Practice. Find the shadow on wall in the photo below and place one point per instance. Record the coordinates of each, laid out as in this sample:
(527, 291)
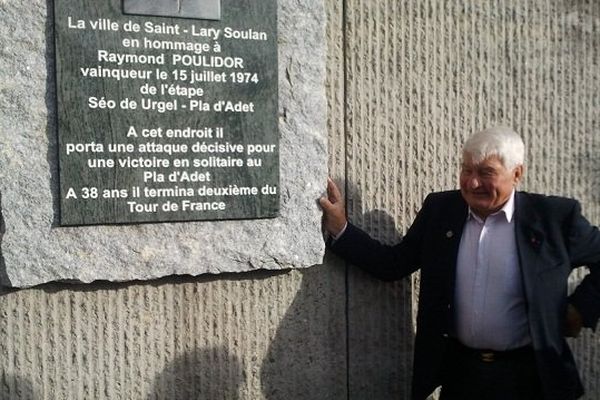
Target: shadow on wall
(4, 280)
(307, 357)
(316, 351)
(204, 374)
(16, 387)
(381, 331)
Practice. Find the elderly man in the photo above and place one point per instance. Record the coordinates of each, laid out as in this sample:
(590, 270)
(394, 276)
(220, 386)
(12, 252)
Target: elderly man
(493, 305)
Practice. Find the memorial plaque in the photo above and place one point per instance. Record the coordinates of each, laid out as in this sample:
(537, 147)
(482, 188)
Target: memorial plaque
(164, 116)
(205, 9)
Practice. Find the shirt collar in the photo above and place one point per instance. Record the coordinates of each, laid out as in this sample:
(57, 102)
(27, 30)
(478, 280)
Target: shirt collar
(508, 210)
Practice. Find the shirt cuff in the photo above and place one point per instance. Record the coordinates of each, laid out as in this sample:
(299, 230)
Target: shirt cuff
(340, 233)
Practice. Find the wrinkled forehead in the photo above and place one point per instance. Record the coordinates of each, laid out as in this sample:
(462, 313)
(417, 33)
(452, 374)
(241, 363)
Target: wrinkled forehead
(475, 160)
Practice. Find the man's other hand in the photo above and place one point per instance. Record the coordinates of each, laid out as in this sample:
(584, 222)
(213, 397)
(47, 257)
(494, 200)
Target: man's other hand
(334, 214)
(573, 322)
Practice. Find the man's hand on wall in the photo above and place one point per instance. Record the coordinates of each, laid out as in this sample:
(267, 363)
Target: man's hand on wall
(334, 213)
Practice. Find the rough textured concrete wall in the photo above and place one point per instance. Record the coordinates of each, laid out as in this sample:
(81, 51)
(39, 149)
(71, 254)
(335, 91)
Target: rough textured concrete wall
(420, 77)
(254, 336)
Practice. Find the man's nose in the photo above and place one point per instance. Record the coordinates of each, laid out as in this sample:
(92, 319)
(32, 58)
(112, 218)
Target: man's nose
(474, 182)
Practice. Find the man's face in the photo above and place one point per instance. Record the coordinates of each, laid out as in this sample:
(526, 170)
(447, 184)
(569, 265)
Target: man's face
(487, 185)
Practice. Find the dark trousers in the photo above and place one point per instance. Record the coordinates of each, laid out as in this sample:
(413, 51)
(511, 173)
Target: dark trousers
(471, 374)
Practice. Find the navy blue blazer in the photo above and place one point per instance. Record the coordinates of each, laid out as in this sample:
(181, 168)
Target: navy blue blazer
(552, 239)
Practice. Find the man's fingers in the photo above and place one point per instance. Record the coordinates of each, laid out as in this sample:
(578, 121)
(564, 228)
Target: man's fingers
(333, 192)
(325, 203)
(334, 216)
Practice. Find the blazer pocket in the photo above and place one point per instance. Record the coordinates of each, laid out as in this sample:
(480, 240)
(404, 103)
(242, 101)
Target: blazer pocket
(553, 268)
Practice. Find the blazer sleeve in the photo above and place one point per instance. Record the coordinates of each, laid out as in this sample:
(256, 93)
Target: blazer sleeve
(385, 262)
(584, 249)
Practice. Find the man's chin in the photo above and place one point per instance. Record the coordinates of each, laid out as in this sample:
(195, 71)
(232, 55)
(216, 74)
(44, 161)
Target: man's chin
(480, 200)
(479, 205)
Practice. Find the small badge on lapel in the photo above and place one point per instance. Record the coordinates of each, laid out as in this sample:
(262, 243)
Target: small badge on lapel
(533, 238)
(535, 242)
(449, 234)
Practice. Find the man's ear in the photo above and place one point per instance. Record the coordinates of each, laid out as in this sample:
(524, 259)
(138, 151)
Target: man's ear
(518, 172)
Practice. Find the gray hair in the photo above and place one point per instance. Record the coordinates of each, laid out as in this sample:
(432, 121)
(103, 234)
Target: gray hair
(500, 141)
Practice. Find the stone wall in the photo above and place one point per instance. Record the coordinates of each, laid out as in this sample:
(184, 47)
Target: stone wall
(29, 178)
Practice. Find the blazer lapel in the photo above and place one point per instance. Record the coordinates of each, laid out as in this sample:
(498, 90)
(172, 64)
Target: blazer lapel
(530, 238)
(453, 229)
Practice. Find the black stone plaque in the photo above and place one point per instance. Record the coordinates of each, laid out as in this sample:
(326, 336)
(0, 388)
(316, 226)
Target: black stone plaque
(205, 9)
(165, 118)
